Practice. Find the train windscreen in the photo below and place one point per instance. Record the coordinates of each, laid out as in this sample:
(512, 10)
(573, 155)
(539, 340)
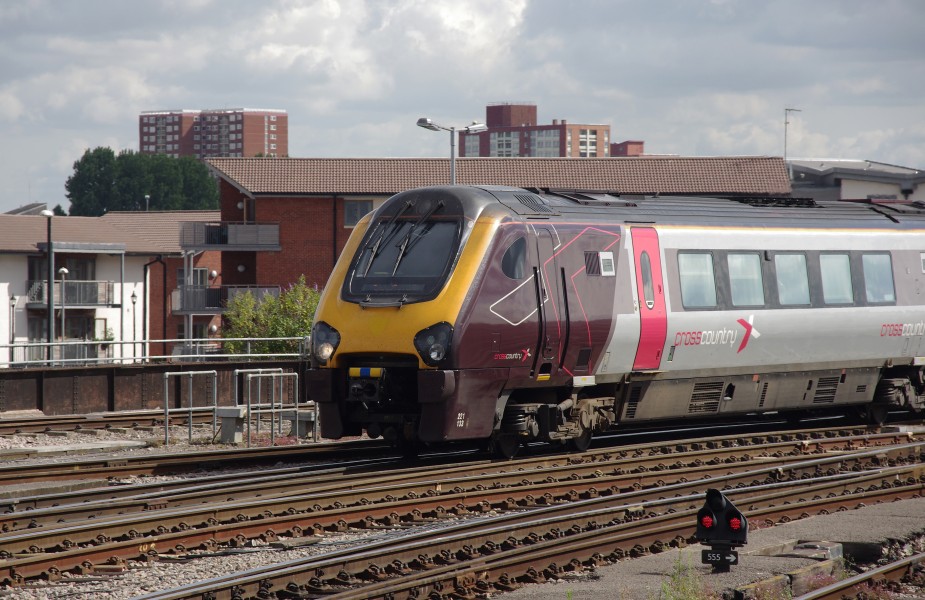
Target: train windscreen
(406, 256)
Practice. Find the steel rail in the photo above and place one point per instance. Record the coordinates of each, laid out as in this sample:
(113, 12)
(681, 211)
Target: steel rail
(415, 492)
(894, 571)
(236, 527)
(458, 559)
(172, 463)
(636, 471)
(141, 418)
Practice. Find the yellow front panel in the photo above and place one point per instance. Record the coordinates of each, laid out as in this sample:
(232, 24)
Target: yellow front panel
(392, 329)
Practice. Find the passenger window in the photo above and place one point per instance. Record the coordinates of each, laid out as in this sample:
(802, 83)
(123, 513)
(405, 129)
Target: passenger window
(792, 280)
(836, 279)
(745, 279)
(512, 263)
(878, 277)
(698, 286)
(648, 291)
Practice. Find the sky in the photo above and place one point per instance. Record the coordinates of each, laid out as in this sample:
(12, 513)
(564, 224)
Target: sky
(689, 77)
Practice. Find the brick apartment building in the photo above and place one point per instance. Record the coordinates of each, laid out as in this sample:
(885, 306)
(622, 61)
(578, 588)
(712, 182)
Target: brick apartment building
(293, 216)
(628, 148)
(513, 131)
(236, 132)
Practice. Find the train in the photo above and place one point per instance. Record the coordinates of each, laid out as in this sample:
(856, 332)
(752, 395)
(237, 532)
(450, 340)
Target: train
(505, 316)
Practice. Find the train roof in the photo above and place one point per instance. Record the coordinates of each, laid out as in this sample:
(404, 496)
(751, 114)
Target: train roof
(770, 211)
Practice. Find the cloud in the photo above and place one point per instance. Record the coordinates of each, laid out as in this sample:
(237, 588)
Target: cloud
(686, 77)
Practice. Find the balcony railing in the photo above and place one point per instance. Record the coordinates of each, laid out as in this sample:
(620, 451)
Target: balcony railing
(202, 300)
(229, 236)
(74, 293)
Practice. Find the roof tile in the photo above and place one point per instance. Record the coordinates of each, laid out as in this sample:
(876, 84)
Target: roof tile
(747, 175)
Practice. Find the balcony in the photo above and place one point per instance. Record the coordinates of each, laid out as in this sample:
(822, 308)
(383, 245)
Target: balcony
(75, 294)
(229, 236)
(202, 300)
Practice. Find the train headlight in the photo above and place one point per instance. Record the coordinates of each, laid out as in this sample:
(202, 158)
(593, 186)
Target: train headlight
(325, 340)
(433, 343)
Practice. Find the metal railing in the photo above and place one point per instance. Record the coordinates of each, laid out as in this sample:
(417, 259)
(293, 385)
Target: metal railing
(228, 236)
(76, 353)
(189, 375)
(204, 299)
(72, 293)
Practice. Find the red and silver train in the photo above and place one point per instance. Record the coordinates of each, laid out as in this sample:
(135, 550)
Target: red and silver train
(512, 315)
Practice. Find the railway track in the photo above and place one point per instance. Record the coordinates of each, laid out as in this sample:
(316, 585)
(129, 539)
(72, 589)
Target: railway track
(107, 420)
(167, 463)
(502, 553)
(148, 523)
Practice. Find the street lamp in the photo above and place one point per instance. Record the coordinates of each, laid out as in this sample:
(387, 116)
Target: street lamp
(134, 325)
(147, 198)
(50, 287)
(12, 322)
(475, 127)
(787, 112)
(63, 273)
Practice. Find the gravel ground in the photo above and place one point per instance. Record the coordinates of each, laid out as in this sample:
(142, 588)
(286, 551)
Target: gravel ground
(630, 580)
(167, 573)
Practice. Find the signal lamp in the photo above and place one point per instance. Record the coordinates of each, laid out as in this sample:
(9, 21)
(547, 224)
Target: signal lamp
(730, 529)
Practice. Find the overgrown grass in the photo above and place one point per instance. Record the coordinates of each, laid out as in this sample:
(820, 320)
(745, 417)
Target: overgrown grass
(685, 582)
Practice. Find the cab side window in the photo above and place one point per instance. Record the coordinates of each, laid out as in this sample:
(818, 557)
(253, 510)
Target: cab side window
(514, 259)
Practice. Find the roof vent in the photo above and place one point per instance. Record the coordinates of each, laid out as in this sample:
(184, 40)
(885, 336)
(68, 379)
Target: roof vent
(534, 203)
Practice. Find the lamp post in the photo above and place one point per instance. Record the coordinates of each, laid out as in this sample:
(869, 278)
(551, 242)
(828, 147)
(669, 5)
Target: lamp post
(787, 112)
(147, 198)
(475, 127)
(134, 326)
(12, 323)
(63, 272)
(50, 287)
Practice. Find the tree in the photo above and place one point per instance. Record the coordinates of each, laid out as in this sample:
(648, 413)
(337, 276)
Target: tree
(90, 188)
(289, 315)
(103, 182)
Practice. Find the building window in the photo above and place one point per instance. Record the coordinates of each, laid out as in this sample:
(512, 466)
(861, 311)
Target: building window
(505, 143)
(472, 149)
(200, 277)
(354, 210)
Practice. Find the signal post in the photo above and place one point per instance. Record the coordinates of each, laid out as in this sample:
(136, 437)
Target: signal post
(723, 527)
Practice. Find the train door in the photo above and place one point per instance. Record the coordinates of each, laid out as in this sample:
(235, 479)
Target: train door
(550, 304)
(653, 316)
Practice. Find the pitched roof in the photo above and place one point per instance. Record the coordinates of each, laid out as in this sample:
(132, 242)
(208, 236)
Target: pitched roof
(744, 175)
(136, 232)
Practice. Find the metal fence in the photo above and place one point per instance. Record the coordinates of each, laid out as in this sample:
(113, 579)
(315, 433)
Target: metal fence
(76, 353)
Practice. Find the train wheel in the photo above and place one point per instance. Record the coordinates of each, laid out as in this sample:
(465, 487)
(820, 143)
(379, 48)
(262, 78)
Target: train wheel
(582, 442)
(505, 445)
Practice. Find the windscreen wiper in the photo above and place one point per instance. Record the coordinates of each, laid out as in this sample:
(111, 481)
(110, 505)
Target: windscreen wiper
(403, 245)
(374, 252)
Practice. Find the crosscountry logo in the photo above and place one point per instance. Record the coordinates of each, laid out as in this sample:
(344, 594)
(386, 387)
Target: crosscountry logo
(750, 332)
